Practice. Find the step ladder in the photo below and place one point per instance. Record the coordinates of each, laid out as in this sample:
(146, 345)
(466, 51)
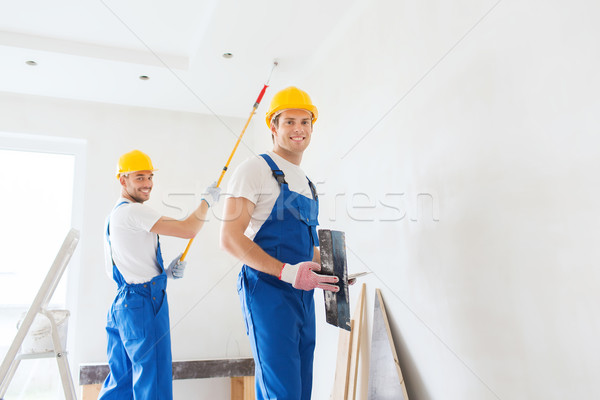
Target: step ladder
(14, 355)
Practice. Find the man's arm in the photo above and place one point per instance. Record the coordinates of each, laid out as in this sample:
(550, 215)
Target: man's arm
(186, 228)
(236, 217)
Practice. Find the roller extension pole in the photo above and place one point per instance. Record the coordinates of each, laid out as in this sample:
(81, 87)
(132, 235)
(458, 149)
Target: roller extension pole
(237, 143)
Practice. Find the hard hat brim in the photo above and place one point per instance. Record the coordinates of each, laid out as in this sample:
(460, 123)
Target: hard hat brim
(131, 172)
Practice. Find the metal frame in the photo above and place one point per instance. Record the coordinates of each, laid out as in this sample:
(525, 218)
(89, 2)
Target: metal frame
(13, 356)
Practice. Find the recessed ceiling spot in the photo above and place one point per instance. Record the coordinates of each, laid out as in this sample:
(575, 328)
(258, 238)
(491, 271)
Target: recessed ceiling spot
(144, 77)
(31, 62)
(227, 55)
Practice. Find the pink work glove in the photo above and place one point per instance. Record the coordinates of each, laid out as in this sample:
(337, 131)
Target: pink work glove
(301, 276)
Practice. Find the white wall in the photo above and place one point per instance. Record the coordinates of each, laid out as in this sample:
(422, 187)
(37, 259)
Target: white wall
(498, 299)
(492, 290)
(189, 150)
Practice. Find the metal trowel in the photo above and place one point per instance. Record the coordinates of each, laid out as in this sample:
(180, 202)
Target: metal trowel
(333, 262)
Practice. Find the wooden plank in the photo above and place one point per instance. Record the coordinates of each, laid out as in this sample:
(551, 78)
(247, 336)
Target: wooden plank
(91, 392)
(385, 376)
(242, 388)
(199, 369)
(191, 369)
(249, 388)
(357, 328)
(342, 367)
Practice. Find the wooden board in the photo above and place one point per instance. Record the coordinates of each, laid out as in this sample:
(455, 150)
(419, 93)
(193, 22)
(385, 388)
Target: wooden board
(90, 374)
(198, 369)
(333, 262)
(242, 388)
(91, 392)
(342, 365)
(357, 328)
(385, 377)
(346, 371)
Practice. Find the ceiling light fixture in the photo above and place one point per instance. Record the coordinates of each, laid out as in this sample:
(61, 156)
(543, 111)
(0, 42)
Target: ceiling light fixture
(144, 77)
(31, 62)
(227, 55)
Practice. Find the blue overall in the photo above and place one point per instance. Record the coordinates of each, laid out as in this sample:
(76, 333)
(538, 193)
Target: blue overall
(139, 341)
(280, 320)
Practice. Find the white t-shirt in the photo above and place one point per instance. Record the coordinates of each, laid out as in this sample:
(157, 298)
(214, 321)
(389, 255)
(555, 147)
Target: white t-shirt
(133, 245)
(253, 180)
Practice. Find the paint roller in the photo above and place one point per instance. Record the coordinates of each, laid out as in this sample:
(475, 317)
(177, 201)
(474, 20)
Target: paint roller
(239, 139)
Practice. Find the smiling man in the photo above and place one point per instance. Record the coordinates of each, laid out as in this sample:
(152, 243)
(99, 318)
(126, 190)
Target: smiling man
(139, 341)
(270, 222)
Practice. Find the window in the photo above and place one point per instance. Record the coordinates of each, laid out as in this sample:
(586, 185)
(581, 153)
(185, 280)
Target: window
(40, 201)
(35, 211)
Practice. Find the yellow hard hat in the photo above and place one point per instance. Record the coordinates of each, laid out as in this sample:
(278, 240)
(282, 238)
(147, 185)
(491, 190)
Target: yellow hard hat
(134, 161)
(291, 98)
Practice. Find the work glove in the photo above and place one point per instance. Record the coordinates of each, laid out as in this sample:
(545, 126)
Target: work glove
(176, 268)
(302, 276)
(212, 194)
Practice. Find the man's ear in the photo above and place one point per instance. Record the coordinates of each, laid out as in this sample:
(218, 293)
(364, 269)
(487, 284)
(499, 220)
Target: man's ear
(122, 180)
(273, 129)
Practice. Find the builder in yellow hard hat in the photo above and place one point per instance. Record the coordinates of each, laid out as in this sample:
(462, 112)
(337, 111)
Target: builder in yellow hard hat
(270, 222)
(139, 341)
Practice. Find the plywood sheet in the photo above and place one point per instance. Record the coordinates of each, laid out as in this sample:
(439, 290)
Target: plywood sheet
(385, 377)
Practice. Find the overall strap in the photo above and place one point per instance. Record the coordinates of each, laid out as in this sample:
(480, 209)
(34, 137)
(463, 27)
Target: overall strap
(116, 274)
(159, 258)
(277, 173)
(158, 251)
(313, 189)
(108, 226)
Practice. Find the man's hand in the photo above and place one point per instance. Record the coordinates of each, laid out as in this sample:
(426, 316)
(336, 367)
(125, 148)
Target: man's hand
(176, 268)
(302, 276)
(213, 193)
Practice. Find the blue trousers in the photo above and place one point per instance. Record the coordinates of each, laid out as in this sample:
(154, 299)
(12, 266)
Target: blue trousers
(139, 344)
(280, 322)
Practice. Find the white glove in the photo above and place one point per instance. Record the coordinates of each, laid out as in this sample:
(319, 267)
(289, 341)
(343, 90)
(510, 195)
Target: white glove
(176, 268)
(212, 194)
(301, 276)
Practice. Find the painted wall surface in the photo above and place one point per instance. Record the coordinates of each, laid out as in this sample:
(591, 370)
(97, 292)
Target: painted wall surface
(189, 151)
(457, 146)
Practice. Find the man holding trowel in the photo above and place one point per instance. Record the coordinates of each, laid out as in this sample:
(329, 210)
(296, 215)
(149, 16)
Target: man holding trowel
(269, 223)
(139, 340)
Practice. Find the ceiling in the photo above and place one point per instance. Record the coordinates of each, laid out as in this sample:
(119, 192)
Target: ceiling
(96, 50)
